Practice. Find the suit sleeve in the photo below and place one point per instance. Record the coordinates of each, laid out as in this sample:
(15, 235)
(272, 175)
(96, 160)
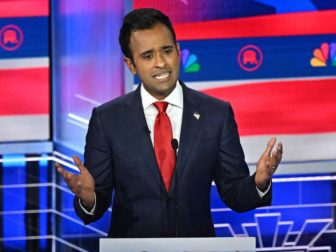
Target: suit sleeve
(235, 186)
(99, 162)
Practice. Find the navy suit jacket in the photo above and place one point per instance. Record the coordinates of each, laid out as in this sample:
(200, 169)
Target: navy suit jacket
(120, 156)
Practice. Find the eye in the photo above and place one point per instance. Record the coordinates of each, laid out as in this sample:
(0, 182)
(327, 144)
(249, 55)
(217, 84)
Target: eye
(168, 50)
(147, 56)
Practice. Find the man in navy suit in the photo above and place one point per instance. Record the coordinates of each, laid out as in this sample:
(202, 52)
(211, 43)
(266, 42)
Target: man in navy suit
(120, 158)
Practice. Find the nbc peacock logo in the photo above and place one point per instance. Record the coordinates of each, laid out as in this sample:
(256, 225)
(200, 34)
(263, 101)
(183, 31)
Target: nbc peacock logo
(189, 62)
(324, 55)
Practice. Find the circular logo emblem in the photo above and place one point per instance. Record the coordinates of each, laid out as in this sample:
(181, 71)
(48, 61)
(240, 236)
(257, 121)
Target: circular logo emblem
(11, 37)
(250, 58)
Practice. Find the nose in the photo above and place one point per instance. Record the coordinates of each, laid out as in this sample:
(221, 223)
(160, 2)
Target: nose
(160, 60)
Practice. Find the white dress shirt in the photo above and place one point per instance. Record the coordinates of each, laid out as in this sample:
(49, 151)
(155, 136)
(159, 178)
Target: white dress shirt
(174, 110)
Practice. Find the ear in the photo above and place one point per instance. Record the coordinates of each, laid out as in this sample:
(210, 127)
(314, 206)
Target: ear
(130, 65)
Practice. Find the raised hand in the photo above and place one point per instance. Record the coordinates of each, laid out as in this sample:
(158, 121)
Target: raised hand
(267, 164)
(81, 184)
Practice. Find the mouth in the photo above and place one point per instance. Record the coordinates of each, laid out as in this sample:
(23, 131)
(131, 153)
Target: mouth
(161, 76)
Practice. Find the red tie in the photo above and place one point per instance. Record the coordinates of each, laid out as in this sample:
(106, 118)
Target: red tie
(162, 143)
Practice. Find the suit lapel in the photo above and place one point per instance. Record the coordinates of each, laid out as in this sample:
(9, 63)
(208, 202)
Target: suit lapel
(136, 121)
(189, 132)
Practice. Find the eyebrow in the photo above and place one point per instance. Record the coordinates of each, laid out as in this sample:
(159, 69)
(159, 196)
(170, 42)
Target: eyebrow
(167, 47)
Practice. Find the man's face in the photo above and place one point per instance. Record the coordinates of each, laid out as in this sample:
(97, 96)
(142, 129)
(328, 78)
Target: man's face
(156, 60)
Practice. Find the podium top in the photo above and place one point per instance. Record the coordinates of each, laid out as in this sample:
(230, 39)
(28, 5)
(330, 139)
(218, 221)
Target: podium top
(222, 244)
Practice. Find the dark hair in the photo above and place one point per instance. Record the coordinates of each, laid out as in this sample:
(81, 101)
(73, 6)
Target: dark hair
(141, 19)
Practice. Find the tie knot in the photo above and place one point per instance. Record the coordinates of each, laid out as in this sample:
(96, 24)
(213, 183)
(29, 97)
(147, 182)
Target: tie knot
(161, 106)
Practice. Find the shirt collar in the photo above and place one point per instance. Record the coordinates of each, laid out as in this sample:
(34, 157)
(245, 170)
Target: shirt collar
(174, 98)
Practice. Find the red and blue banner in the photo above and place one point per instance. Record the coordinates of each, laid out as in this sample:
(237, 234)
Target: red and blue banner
(24, 70)
(274, 61)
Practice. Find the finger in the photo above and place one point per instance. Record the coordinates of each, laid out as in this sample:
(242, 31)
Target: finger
(79, 164)
(69, 176)
(58, 167)
(273, 170)
(276, 158)
(72, 181)
(269, 165)
(273, 160)
(278, 154)
(60, 170)
(269, 147)
(280, 148)
(63, 172)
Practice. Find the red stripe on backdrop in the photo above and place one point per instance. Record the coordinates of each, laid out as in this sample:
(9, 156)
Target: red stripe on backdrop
(283, 107)
(23, 8)
(24, 91)
(293, 24)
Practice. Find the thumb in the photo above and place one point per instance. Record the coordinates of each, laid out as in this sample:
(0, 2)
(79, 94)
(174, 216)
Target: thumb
(79, 164)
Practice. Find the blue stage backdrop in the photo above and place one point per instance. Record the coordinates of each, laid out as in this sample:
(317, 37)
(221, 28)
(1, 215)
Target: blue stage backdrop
(87, 64)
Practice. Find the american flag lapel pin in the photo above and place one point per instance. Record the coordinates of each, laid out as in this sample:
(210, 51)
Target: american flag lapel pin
(197, 115)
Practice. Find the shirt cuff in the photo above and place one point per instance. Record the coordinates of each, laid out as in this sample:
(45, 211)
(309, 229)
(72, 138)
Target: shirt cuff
(262, 194)
(93, 210)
